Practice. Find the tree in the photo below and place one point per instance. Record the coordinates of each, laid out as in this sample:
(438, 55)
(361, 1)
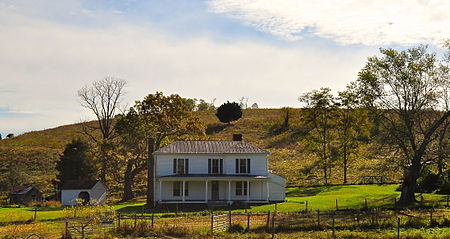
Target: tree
(352, 128)
(319, 117)
(228, 112)
(103, 98)
(409, 90)
(163, 118)
(10, 135)
(75, 163)
(203, 105)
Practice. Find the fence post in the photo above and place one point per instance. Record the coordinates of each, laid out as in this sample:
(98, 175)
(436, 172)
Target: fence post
(448, 199)
(318, 218)
(66, 231)
(273, 225)
(268, 221)
(306, 206)
(212, 223)
(35, 212)
(431, 217)
(333, 232)
(398, 228)
(276, 207)
(248, 222)
(153, 217)
(365, 203)
(135, 220)
(337, 208)
(229, 219)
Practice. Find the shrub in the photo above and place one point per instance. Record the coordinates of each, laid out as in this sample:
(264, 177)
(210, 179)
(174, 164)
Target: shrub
(174, 231)
(430, 182)
(236, 228)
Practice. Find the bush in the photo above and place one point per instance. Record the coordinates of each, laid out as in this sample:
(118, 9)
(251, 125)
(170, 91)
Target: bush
(236, 228)
(174, 231)
(44, 204)
(430, 182)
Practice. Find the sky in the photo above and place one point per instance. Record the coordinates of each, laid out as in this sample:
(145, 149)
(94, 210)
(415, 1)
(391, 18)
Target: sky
(270, 52)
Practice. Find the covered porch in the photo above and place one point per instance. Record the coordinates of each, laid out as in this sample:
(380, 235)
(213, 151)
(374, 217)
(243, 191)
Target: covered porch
(210, 189)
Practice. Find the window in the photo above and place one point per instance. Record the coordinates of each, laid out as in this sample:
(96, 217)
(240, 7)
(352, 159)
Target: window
(241, 188)
(177, 188)
(215, 166)
(242, 165)
(181, 166)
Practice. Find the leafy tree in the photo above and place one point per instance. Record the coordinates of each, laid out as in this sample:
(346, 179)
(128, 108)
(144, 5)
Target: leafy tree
(0, 136)
(103, 98)
(163, 118)
(10, 135)
(352, 128)
(410, 91)
(203, 105)
(228, 112)
(75, 163)
(320, 112)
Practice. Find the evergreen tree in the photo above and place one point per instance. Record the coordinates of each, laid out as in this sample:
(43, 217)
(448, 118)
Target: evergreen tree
(228, 112)
(75, 164)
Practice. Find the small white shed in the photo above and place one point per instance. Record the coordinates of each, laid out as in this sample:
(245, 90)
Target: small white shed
(88, 192)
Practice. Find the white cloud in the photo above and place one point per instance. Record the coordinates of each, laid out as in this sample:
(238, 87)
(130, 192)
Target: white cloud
(44, 63)
(369, 22)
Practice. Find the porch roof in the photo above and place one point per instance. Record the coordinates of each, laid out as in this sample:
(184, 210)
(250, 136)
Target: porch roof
(215, 176)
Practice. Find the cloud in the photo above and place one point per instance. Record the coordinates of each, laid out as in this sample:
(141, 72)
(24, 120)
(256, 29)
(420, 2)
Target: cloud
(44, 63)
(369, 22)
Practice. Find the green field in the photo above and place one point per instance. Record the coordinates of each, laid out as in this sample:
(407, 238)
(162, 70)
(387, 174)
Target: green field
(320, 197)
(50, 220)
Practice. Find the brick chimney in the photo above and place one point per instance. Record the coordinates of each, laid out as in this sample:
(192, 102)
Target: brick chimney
(237, 137)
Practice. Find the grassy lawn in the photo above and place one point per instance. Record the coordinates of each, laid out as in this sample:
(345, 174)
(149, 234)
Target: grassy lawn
(321, 197)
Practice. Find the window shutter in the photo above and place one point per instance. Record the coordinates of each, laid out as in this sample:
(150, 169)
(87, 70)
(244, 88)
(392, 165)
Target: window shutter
(174, 166)
(248, 165)
(237, 165)
(209, 166)
(221, 166)
(186, 166)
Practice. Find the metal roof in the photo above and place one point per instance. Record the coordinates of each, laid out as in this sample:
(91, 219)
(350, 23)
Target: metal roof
(210, 147)
(79, 184)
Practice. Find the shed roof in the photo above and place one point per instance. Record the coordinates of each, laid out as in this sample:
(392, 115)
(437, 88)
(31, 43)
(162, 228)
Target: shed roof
(21, 189)
(79, 184)
(210, 147)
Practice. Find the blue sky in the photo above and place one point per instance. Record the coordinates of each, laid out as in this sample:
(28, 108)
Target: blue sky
(216, 49)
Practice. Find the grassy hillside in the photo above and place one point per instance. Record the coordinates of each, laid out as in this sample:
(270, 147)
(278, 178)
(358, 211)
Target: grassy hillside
(258, 126)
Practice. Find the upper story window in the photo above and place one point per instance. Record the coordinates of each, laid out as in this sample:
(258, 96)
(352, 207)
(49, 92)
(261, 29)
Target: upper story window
(181, 166)
(242, 165)
(215, 166)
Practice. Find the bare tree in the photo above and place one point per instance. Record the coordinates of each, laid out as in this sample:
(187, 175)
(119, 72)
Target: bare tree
(103, 98)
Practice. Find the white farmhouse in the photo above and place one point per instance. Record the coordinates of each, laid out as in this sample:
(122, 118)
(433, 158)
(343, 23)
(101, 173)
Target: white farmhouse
(215, 172)
(90, 192)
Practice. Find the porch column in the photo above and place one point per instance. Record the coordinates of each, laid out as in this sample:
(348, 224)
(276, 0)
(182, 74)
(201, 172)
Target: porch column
(160, 190)
(229, 191)
(248, 190)
(206, 191)
(267, 191)
(184, 191)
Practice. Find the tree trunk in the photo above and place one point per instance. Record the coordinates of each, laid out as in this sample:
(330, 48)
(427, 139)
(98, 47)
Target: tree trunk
(345, 164)
(409, 184)
(128, 188)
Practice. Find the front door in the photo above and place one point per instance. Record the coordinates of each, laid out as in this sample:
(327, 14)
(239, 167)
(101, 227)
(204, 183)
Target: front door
(214, 190)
